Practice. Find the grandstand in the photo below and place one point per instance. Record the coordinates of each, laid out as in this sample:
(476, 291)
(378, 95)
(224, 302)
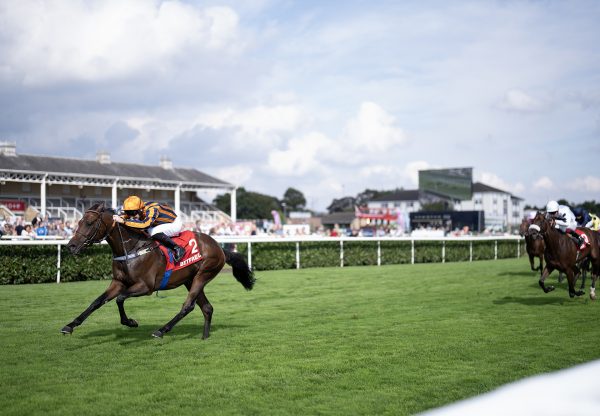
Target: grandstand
(65, 187)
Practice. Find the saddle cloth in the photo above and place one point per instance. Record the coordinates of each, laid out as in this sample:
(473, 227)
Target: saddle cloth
(586, 240)
(187, 240)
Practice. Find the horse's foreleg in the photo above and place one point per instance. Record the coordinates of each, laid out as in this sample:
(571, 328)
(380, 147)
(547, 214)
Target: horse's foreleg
(113, 290)
(139, 289)
(196, 287)
(531, 262)
(547, 270)
(593, 288)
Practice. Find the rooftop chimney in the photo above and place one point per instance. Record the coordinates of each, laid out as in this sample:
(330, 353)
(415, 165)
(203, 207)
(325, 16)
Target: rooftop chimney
(103, 158)
(165, 163)
(8, 148)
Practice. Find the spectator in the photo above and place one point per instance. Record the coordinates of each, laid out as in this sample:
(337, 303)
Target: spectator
(42, 229)
(28, 232)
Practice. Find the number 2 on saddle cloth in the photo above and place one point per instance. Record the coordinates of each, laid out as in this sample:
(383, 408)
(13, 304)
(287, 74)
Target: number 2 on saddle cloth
(188, 241)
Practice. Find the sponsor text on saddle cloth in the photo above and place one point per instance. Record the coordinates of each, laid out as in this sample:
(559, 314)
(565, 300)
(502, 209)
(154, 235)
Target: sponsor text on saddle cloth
(188, 241)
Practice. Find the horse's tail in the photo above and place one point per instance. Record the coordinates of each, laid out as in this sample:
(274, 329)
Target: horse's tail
(241, 271)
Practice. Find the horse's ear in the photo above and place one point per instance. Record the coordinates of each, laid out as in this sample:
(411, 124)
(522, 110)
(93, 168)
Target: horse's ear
(101, 206)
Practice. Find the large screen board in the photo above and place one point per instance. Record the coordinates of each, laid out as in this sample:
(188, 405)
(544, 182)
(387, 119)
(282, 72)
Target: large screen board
(456, 183)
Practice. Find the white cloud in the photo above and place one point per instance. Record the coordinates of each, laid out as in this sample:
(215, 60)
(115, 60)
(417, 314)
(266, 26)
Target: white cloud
(373, 130)
(544, 183)
(517, 100)
(301, 155)
(99, 40)
(236, 175)
(586, 184)
(494, 180)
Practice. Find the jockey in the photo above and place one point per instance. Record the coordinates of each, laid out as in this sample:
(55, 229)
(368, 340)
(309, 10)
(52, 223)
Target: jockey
(159, 220)
(595, 222)
(582, 217)
(564, 220)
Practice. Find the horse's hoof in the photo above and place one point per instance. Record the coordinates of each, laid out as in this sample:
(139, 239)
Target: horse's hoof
(549, 289)
(132, 323)
(592, 296)
(66, 330)
(580, 292)
(157, 334)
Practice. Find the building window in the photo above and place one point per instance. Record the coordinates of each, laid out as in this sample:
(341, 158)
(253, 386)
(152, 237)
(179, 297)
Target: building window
(410, 204)
(384, 205)
(26, 187)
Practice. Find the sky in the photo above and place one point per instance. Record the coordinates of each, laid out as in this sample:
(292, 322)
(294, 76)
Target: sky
(328, 97)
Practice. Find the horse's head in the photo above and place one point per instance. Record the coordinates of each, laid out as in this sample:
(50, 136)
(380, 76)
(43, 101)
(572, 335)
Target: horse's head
(524, 227)
(94, 226)
(540, 225)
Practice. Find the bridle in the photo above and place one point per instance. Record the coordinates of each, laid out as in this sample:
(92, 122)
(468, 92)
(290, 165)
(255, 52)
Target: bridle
(91, 238)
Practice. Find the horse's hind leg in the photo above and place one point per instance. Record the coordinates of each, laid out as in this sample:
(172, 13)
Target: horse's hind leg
(197, 286)
(207, 310)
(571, 278)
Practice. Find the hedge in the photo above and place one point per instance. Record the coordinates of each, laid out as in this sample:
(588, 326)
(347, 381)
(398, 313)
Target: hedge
(37, 264)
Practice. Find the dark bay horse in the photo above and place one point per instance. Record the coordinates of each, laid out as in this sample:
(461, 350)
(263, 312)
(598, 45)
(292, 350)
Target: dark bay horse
(534, 245)
(562, 254)
(143, 267)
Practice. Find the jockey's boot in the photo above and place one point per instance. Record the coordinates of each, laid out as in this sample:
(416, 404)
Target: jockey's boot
(166, 240)
(579, 240)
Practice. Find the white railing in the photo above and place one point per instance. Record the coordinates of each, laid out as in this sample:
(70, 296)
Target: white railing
(20, 241)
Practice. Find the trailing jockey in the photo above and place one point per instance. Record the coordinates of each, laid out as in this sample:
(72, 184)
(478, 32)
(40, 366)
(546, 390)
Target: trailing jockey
(159, 220)
(564, 220)
(583, 217)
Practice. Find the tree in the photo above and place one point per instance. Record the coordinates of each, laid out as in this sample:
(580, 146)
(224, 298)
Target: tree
(344, 204)
(250, 205)
(367, 195)
(294, 200)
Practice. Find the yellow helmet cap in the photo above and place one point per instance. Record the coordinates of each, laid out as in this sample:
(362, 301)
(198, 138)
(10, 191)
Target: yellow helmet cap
(133, 203)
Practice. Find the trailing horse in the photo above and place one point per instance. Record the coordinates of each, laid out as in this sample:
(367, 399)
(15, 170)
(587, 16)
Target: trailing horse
(139, 268)
(563, 254)
(534, 245)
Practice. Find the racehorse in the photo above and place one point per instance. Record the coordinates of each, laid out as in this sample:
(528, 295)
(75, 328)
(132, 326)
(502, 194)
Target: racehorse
(138, 268)
(562, 254)
(534, 244)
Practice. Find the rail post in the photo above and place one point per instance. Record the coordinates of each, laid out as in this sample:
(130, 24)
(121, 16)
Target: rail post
(379, 252)
(297, 254)
(58, 264)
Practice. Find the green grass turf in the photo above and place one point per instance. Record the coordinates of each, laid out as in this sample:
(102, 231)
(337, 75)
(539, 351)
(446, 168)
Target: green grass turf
(362, 340)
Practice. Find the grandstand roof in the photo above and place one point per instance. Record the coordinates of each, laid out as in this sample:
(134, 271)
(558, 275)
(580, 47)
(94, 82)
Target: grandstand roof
(92, 168)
